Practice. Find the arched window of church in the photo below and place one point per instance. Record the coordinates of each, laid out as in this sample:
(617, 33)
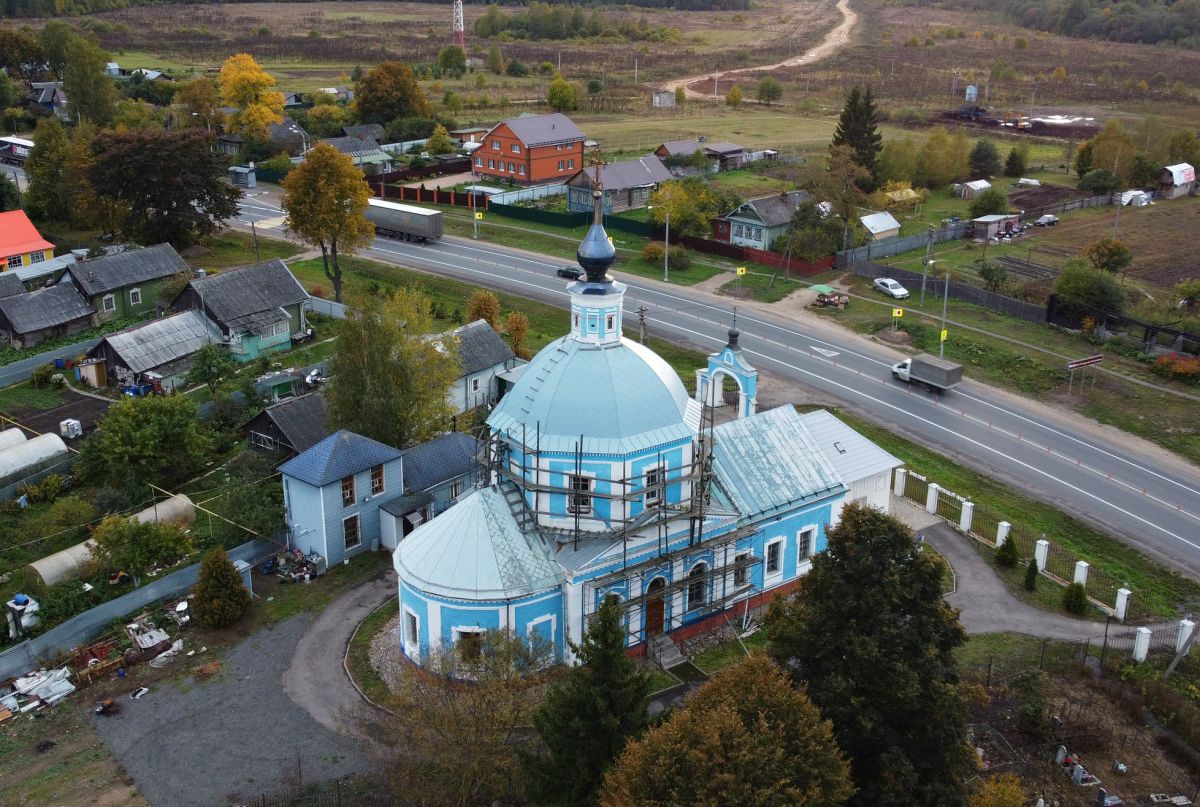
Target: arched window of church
(697, 590)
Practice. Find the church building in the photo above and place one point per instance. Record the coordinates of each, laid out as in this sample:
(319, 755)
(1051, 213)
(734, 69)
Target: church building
(606, 479)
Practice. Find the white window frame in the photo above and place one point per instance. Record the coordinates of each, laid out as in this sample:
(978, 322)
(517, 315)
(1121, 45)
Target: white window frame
(741, 577)
(412, 619)
(456, 488)
(495, 145)
(570, 164)
(382, 480)
(652, 483)
(135, 296)
(778, 570)
(37, 257)
(806, 537)
(610, 322)
(575, 494)
(261, 440)
(688, 605)
(457, 633)
(275, 329)
(108, 304)
(561, 164)
(14, 261)
(474, 385)
(516, 148)
(529, 627)
(575, 316)
(479, 162)
(357, 532)
(521, 169)
(492, 164)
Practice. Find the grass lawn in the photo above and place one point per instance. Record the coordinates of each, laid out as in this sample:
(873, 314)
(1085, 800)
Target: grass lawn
(764, 285)
(232, 248)
(358, 655)
(1160, 590)
(729, 653)
(27, 396)
(294, 598)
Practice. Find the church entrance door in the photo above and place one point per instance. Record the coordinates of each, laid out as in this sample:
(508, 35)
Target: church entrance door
(655, 607)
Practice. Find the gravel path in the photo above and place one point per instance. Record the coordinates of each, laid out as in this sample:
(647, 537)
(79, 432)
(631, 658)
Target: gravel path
(191, 742)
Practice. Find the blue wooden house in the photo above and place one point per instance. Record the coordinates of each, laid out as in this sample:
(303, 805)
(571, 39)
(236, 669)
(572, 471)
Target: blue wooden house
(333, 491)
(436, 474)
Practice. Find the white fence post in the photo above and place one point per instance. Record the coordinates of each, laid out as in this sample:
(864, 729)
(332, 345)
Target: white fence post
(1081, 572)
(1002, 530)
(1141, 645)
(901, 480)
(968, 513)
(1041, 552)
(1186, 626)
(931, 497)
(1122, 606)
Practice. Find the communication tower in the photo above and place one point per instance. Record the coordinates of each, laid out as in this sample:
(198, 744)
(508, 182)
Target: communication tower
(460, 37)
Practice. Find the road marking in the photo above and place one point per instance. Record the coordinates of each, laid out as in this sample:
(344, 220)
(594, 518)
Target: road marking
(821, 350)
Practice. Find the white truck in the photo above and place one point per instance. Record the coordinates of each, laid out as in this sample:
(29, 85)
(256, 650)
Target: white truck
(936, 374)
(405, 222)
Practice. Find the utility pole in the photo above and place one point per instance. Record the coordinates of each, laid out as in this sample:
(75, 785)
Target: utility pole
(634, 70)
(928, 261)
(945, 299)
(667, 244)
(254, 233)
(641, 313)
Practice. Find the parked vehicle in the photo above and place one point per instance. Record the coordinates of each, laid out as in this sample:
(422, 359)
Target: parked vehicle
(569, 272)
(890, 287)
(1047, 220)
(405, 222)
(934, 373)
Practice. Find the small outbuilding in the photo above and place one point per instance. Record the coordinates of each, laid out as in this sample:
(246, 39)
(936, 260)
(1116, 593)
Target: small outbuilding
(290, 426)
(627, 185)
(880, 225)
(31, 460)
(436, 474)
(159, 351)
(35, 316)
(482, 355)
(662, 99)
(1177, 180)
(987, 227)
(863, 466)
(969, 190)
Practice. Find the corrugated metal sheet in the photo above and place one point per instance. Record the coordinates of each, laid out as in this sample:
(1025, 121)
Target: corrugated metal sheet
(162, 341)
(475, 550)
(853, 456)
(770, 460)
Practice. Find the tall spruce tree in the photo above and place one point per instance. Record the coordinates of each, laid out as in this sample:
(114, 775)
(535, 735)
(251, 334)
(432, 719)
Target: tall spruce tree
(588, 716)
(858, 128)
(872, 641)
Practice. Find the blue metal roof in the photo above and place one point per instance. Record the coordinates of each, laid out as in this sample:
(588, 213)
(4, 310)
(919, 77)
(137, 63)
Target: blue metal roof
(476, 551)
(440, 459)
(339, 455)
(769, 461)
(621, 397)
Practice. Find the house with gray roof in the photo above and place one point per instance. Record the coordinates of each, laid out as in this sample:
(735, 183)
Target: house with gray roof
(10, 284)
(724, 156)
(531, 150)
(158, 351)
(35, 316)
(286, 136)
(128, 283)
(48, 96)
(290, 426)
(758, 222)
(483, 357)
(436, 474)
(256, 308)
(332, 493)
(627, 185)
(365, 131)
(364, 151)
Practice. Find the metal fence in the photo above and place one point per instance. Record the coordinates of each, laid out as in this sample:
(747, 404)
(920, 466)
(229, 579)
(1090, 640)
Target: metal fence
(22, 368)
(898, 244)
(528, 194)
(949, 506)
(916, 488)
(351, 792)
(329, 308)
(81, 629)
(1031, 312)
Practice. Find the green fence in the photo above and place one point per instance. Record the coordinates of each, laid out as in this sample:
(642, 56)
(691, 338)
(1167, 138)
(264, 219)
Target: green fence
(570, 220)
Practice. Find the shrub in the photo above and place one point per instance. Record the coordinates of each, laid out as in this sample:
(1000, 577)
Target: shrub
(1180, 368)
(40, 377)
(679, 258)
(653, 251)
(1074, 599)
(1031, 575)
(1007, 555)
(1031, 711)
(221, 599)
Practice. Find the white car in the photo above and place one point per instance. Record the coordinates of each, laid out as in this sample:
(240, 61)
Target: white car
(890, 287)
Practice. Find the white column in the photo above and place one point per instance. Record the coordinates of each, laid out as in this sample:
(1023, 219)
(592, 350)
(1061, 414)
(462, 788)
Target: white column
(931, 497)
(1186, 626)
(1141, 645)
(701, 378)
(901, 479)
(968, 513)
(1041, 552)
(1002, 530)
(1081, 572)
(1122, 606)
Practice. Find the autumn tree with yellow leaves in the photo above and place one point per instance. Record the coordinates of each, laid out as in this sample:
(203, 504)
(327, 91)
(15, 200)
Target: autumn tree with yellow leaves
(326, 199)
(248, 88)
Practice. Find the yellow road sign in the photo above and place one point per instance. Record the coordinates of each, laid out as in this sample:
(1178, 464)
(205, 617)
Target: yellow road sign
(897, 312)
(478, 216)
(741, 270)
(945, 333)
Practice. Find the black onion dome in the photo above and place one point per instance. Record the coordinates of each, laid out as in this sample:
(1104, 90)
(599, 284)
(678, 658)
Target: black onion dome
(596, 253)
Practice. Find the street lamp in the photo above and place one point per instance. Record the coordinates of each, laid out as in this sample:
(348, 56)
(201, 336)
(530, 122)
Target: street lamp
(207, 124)
(666, 240)
(945, 298)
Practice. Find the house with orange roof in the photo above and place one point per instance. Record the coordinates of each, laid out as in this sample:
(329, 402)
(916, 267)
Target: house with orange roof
(20, 242)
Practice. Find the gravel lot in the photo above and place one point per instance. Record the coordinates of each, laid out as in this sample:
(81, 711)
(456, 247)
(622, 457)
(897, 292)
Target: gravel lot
(192, 743)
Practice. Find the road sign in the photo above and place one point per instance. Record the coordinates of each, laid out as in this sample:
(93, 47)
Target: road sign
(945, 333)
(897, 312)
(741, 270)
(1090, 360)
(478, 216)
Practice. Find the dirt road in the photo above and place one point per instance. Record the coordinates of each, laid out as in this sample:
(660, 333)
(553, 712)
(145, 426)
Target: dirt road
(833, 41)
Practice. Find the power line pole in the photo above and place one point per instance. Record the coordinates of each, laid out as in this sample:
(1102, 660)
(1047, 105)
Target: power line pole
(928, 260)
(641, 313)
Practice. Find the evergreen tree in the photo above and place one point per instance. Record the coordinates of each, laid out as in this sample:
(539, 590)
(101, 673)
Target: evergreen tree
(984, 158)
(1007, 555)
(1031, 575)
(589, 715)
(221, 598)
(872, 640)
(1014, 166)
(858, 128)
(9, 197)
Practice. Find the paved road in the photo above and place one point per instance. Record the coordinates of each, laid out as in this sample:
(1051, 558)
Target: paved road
(1132, 490)
(315, 679)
